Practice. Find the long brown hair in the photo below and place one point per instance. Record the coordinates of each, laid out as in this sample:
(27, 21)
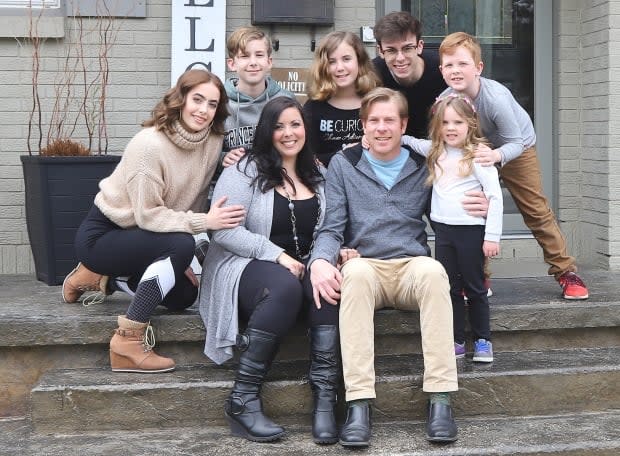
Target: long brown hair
(168, 110)
(322, 85)
(465, 109)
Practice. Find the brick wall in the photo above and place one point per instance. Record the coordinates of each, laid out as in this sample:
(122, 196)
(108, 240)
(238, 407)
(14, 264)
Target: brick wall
(586, 97)
(587, 122)
(140, 64)
(139, 75)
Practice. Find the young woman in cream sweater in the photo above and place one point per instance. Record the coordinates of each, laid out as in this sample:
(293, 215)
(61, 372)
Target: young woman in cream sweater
(138, 236)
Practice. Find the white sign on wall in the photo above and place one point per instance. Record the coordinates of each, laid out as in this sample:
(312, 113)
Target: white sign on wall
(198, 37)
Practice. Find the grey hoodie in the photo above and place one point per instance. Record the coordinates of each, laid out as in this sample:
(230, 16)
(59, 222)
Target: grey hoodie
(245, 111)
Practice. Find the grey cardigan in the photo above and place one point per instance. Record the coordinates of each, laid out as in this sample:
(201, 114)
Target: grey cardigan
(230, 252)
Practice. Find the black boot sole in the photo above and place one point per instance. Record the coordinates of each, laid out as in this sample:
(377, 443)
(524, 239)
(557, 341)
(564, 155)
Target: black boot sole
(238, 430)
(441, 439)
(329, 441)
(354, 444)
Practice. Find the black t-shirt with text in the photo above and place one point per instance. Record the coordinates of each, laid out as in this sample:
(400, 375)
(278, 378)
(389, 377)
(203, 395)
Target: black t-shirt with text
(330, 128)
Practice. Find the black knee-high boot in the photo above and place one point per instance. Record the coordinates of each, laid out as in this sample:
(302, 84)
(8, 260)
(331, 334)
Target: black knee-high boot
(324, 376)
(244, 408)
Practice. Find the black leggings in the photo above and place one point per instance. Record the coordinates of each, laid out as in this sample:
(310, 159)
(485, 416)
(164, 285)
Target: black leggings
(270, 299)
(459, 249)
(105, 248)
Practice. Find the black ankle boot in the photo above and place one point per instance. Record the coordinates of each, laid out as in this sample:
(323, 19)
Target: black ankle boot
(356, 429)
(323, 376)
(440, 426)
(244, 408)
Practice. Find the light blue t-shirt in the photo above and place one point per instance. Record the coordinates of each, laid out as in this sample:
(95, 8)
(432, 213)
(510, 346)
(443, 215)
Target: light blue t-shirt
(387, 171)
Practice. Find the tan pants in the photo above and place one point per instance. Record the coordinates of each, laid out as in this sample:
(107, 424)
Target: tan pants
(524, 182)
(404, 283)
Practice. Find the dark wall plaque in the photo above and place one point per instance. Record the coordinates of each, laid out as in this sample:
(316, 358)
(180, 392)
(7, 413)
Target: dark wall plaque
(317, 12)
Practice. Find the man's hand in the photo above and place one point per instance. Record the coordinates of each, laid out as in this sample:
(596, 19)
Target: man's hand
(475, 203)
(233, 156)
(326, 280)
(487, 156)
(345, 255)
(220, 217)
(295, 267)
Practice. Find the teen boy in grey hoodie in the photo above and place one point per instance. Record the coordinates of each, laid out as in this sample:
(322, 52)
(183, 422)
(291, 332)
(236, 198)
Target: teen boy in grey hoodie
(249, 56)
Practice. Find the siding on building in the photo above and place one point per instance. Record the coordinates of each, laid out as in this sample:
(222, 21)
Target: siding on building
(586, 97)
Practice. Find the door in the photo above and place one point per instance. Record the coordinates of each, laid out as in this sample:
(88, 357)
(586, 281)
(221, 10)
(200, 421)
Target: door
(516, 37)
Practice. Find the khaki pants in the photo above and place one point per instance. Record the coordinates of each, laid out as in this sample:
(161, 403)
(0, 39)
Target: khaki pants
(524, 182)
(404, 283)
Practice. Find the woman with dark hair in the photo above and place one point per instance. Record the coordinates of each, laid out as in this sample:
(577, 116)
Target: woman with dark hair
(138, 236)
(256, 273)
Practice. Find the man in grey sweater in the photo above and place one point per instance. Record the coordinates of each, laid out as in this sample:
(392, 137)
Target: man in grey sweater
(375, 202)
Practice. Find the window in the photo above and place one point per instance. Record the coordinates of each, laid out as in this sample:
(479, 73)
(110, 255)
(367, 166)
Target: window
(505, 29)
(29, 3)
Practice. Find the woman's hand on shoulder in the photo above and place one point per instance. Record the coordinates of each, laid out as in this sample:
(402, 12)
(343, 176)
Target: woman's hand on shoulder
(295, 267)
(233, 157)
(219, 217)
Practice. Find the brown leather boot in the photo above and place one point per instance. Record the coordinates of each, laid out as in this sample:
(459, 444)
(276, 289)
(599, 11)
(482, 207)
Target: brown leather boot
(131, 349)
(80, 280)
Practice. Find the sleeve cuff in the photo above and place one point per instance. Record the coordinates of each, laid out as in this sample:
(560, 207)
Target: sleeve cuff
(198, 223)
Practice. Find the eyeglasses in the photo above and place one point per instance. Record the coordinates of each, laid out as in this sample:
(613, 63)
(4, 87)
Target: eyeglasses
(408, 50)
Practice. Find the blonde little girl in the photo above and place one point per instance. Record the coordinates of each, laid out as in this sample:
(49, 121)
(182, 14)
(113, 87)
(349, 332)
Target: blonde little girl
(462, 241)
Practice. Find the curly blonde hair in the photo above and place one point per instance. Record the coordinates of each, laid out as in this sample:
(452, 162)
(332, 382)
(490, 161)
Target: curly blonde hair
(465, 109)
(322, 85)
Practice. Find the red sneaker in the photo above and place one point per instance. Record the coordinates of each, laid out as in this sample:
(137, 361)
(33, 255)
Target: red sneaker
(572, 286)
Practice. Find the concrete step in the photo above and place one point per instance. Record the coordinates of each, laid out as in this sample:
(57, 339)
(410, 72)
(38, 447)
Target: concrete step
(33, 314)
(583, 434)
(517, 383)
(38, 332)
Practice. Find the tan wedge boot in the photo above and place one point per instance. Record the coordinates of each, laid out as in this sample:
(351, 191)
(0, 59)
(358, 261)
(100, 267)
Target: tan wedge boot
(131, 349)
(81, 280)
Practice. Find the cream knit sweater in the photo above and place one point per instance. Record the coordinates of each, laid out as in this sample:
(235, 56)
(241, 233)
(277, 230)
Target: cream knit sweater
(162, 182)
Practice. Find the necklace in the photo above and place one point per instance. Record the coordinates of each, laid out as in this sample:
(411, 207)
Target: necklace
(291, 207)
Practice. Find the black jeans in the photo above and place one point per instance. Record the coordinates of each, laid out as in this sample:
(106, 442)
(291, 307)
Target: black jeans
(271, 298)
(459, 249)
(106, 248)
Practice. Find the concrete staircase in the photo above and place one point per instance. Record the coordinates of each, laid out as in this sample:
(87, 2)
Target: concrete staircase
(554, 387)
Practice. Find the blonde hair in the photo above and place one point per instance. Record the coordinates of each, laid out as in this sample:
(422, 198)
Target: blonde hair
(457, 39)
(465, 109)
(239, 39)
(381, 94)
(322, 85)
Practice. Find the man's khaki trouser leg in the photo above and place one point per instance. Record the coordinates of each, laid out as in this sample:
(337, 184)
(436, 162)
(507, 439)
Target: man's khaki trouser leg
(424, 283)
(524, 182)
(360, 294)
(407, 283)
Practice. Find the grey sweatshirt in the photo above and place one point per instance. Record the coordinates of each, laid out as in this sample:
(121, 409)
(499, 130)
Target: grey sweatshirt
(362, 214)
(245, 112)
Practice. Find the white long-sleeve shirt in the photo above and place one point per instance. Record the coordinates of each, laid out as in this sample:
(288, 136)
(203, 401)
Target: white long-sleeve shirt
(449, 189)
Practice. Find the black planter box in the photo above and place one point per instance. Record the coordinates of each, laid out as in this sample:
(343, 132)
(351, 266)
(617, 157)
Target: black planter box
(59, 192)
